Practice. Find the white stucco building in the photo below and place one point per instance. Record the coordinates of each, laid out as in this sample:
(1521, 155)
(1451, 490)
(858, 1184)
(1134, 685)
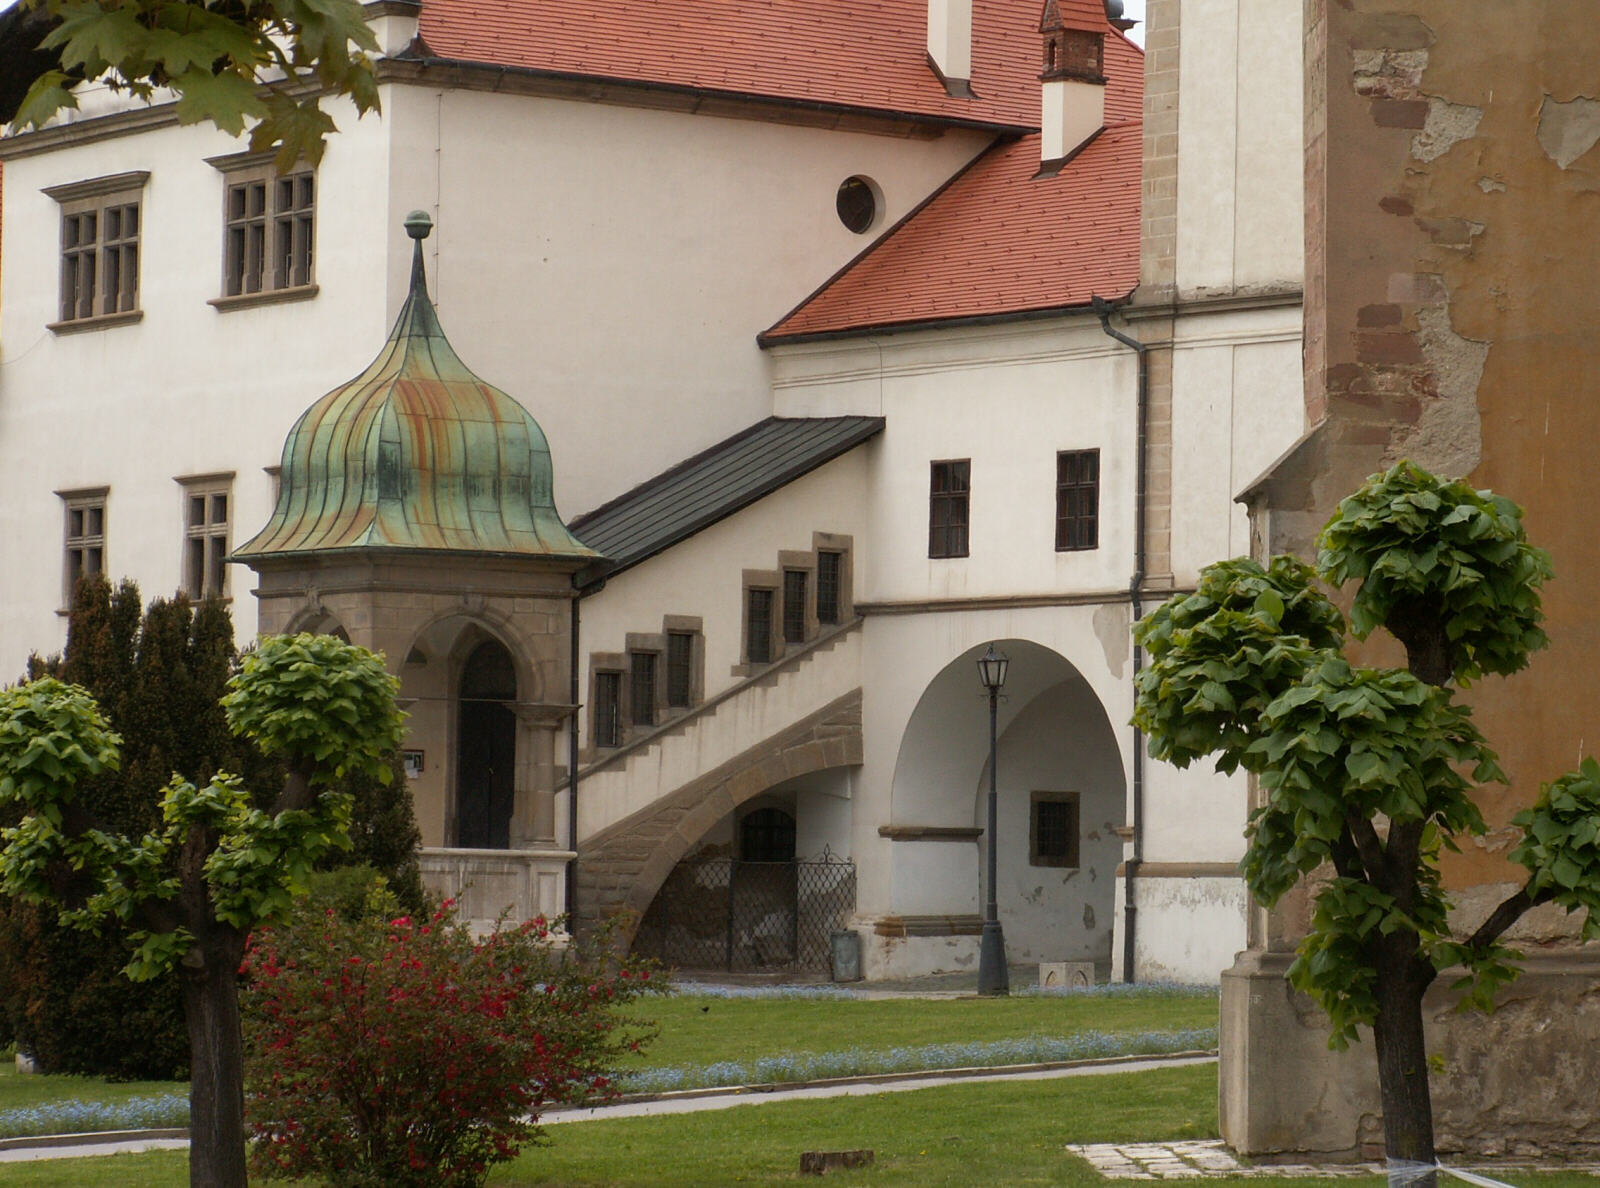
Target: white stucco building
(808, 300)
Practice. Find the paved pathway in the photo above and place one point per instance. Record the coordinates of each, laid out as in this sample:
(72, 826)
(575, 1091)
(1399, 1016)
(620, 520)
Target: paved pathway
(1203, 1157)
(1208, 1158)
(690, 1102)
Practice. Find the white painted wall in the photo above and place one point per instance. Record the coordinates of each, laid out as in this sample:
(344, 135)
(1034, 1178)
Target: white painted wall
(1236, 407)
(1240, 164)
(1009, 398)
(186, 390)
(1189, 929)
(611, 267)
(702, 575)
(1061, 742)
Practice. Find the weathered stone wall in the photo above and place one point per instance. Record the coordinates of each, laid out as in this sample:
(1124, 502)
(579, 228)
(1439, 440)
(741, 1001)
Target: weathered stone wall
(1452, 207)
(1519, 1082)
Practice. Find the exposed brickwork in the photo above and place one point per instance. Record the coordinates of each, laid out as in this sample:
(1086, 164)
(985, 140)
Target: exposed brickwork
(621, 867)
(1158, 263)
(1158, 454)
(1073, 53)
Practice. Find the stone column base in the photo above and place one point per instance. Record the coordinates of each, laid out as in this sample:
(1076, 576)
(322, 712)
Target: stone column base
(1519, 1082)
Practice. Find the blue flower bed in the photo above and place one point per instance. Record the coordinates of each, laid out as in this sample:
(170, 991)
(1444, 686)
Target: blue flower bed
(851, 1062)
(829, 991)
(156, 1111)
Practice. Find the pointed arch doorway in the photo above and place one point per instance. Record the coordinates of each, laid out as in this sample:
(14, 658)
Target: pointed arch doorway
(486, 749)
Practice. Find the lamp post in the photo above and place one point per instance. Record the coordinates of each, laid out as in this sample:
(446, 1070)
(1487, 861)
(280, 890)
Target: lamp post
(992, 976)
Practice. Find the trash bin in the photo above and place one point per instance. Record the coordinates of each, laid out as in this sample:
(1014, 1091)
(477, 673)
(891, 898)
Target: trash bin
(846, 947)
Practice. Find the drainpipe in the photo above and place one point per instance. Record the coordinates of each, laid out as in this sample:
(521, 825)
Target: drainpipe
(1104, 309)
(584, 582)
(572, 762)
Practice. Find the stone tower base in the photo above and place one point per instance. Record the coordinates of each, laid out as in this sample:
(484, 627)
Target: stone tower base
(1522, 1081)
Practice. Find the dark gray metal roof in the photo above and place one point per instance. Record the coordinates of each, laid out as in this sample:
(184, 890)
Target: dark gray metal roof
(713, 485)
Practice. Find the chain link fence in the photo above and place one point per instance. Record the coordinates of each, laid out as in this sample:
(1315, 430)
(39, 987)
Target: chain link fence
(745, 917)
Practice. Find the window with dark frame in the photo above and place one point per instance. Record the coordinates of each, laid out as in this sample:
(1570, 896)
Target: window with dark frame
(205, 544)
(1077, 500)
(607, 709)
(1053, 829)
(948, 506)
(85, 540)
(270, 231)
(758, 626)
(829, 569)
(794, 606)
(99, 261)
(642, 688)
(680, 669)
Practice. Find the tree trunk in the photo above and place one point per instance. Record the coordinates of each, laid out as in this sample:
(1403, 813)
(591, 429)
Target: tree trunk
(1403, 1059)
(216, 1062)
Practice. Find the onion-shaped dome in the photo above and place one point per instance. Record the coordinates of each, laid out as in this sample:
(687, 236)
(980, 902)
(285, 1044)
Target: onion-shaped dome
(416, 453)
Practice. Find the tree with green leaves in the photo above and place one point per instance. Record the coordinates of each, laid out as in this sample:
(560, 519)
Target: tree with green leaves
(157, 674)
(1367, 773)
(219, 865)
(266, 63)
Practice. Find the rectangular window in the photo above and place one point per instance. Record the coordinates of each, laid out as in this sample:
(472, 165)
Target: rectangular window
(1053, 829)
(947, 508)
(794, 606)
(1077, 500)
(207, 512)
(85, 553)
(758, 626)
(269, 226)
(642, 688)
(99, 246)
(829, 568)
(607, 709)
(680, 669)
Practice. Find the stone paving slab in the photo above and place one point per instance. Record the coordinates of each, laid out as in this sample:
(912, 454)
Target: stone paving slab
(1210, 1159)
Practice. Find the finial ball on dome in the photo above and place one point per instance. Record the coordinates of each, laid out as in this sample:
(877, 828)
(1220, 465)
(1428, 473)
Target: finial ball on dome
(418, 225)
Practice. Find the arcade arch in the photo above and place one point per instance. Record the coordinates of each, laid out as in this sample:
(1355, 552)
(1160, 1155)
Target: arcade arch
(1058, 761)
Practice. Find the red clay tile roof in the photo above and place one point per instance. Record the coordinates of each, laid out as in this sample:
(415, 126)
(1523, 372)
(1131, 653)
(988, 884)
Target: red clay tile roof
(996, 240)
(1088, 15)
(852, 53)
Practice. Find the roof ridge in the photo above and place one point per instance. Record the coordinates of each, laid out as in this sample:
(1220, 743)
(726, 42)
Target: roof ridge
(732, 475)
(653, 480)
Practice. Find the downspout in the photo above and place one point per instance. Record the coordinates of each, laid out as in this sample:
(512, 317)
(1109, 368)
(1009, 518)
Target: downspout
(572, 761)
(1104, 309)
(583, 582)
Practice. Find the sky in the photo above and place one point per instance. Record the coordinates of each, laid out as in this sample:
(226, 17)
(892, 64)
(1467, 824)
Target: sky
(1135, 9)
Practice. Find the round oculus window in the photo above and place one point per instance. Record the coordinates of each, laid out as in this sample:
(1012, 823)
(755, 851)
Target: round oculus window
(857, 204)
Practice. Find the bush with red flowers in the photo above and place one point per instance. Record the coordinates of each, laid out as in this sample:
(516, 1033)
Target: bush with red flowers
(398, 1051)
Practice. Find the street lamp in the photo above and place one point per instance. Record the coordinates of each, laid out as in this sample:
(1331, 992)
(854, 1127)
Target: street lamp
(992, 975)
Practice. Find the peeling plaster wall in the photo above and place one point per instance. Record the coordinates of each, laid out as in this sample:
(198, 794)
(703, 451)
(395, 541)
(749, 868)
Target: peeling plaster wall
(1452, 208)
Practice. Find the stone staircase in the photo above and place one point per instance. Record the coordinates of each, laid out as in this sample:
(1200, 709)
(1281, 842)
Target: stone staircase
(642, 807)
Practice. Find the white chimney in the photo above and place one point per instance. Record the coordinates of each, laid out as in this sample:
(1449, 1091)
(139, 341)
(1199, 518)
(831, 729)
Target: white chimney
(1071, 112)
(394, 24)
(950, 44)
(1073, 82)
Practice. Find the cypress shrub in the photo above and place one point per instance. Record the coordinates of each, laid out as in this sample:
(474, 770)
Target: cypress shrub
(158, 675)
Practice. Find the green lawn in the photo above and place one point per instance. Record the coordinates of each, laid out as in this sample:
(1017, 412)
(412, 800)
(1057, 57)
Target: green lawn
(999, 1133)
(699, 1030)
(702, 1030)
(22, 1091)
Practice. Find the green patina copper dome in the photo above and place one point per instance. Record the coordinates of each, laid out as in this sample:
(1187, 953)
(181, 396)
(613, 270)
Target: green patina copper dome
(416, 453)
